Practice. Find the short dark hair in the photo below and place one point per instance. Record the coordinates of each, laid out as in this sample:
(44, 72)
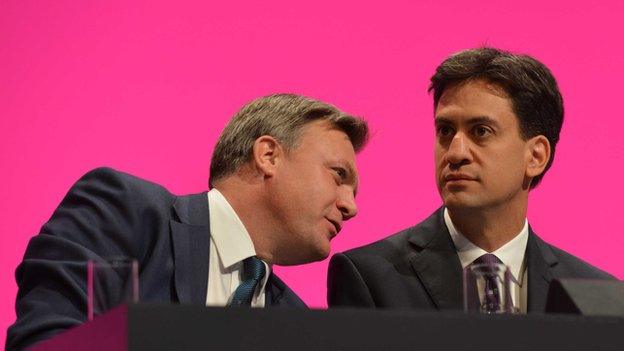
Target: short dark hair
(283, 117)
(533, 90)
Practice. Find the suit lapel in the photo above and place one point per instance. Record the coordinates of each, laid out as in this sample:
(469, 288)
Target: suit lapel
(280, 295)
(540, 261)
(436, 262)
(191, 248)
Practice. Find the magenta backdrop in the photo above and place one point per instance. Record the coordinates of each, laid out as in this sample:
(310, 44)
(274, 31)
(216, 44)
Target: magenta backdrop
(146, 87)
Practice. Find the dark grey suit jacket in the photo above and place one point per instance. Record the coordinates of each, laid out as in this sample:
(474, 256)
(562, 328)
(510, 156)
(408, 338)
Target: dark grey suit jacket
(418, 268)
(107, 214)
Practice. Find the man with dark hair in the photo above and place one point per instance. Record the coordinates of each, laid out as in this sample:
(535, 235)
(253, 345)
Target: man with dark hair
(283, 180)
(497, 120)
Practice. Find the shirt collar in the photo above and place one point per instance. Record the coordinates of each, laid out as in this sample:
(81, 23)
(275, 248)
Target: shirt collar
(227, 231)
(511, 254)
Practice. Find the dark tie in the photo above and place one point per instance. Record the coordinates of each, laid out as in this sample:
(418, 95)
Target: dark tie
(492, 296)
(253, 272)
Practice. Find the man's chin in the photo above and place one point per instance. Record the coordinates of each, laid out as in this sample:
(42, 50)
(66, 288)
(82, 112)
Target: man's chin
(313, 254)
(459, 201)
(323, 249)
(322, 252)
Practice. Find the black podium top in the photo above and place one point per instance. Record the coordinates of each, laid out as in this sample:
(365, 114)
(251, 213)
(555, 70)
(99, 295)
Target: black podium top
(175, 327)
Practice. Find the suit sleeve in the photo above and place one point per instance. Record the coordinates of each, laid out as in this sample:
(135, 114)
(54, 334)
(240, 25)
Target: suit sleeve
(345, 285)
(97, 218)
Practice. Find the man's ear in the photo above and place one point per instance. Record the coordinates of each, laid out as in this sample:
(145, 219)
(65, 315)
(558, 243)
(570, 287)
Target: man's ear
(538, 154)
(267, 152)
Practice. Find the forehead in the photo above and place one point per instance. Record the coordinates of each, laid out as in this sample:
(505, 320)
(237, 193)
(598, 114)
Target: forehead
(323, 138)
(474, 98)
(323, 134)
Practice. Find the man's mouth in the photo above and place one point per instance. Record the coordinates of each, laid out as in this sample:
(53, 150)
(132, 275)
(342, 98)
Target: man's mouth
(336, 224)
(454, 177)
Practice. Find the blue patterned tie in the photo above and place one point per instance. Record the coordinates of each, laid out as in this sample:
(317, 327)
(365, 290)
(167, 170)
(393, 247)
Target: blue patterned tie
(253, 272)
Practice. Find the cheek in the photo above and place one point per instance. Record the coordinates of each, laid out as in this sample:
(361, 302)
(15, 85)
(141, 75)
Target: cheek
(438, 153)
(509, 167)
(518, 158)
(439, 158)
(303, 197)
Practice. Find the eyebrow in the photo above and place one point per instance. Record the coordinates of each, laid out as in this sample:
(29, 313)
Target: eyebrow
(470, 121)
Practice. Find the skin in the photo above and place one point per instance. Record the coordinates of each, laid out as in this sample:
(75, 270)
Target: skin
(293, 202)
(483, 165)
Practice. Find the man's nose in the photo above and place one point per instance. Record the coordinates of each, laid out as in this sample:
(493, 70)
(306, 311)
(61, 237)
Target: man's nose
(459, 150)
(346, 204)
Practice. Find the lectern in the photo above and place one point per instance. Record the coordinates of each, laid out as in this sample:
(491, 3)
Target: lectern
(174, 327)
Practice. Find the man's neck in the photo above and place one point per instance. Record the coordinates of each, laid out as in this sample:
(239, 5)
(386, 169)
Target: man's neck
(489, 228)
(242, 194)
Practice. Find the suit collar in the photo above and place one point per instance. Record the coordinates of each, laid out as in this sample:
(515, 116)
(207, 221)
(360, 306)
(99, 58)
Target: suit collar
(435, 261)
(192, 209)
(540, 262)
(190, 235)
(424, 234)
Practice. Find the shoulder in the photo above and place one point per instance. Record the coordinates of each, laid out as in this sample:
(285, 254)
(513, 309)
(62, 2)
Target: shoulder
(570, 266)
(579, 268)
(105, 177)
(105, 208)
(382, 258)
(387, 247)
(119, 188)
(402, 242)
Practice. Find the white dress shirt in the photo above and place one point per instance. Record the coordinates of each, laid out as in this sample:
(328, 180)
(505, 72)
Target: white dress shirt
(511, 254)
(230, 244)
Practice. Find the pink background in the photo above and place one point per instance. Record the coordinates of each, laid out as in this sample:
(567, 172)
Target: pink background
(146, 87)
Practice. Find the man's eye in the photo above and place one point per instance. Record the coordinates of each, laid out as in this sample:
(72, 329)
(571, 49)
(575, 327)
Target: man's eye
(341, 173)
(444, 131)
(482, 131)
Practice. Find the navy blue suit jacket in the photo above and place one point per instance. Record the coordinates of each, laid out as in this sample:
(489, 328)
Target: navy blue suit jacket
(418, 268)
(107, 214)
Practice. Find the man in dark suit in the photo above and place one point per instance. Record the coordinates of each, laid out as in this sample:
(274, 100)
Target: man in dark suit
(497, 119)
(283, 180)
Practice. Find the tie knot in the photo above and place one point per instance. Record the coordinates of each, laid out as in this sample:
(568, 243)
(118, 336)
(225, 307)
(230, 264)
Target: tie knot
(487, 258)
(253, 268)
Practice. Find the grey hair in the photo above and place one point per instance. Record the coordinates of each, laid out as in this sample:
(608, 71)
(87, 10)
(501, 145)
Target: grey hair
(281, 116)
